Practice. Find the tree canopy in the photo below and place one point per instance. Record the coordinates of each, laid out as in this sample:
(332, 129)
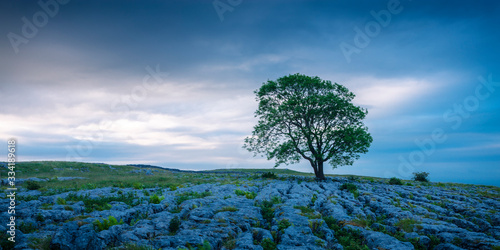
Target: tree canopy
(303, 117)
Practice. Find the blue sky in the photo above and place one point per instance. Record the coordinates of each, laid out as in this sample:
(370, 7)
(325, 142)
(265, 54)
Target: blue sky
(171, 83)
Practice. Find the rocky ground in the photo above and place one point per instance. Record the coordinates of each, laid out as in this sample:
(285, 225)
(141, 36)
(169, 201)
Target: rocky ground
(285, 213)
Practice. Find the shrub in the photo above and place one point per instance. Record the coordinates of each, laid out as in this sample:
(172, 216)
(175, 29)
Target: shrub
(61, 201)
(308, 212)
(421, 176)
(248, 195)
(395, 181)
(314, 198)
(351, 188)
(106, 223)
(155, 199)
(251, 195)
(101, 203)
(191, 195)
(206, 246)
(33, 185)
(268, 244)
(39, 217)
(27, 227)
(174, 225)
(267, 210)
(406, 224)
(40, 243)
(269, 175)
(315, 226)
(137, 185)
(283, 224)
(227, 209)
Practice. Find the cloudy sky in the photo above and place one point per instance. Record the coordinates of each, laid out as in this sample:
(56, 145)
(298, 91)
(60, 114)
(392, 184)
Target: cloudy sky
(171, 83)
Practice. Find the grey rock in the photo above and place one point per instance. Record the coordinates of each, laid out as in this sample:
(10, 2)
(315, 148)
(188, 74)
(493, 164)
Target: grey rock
(447, 246)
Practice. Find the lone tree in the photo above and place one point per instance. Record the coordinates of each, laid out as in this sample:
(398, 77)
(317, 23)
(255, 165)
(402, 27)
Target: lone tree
(306, 117)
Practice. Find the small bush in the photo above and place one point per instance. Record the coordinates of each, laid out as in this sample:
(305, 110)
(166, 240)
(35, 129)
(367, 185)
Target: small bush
(61, 201)
(248, 195)
(137, 185)
(406, 225)
(283, 224)
(39, 217)
(239, 192)
(32, 185)
(206, 246)
(421, 176)
(351, 188)
(155, 199)
(268, 244)
(267, 210)
(27, 227)
(40, 243)
(227, 209)
(269, 175)
(174, 225)
(395, 181)
(106, 223)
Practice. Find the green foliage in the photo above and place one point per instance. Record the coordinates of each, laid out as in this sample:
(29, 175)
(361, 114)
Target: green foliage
(315, 226)
(130, 246)
(268, 244)
(101, 203)
(283, 224)
(267, 210)
(395, 181)
(251, 195)
(46, 206)
(314, 198)
(229, 243)
(145, 192)
(239, 192)
(191, 195)
(206, 246)
(32, 185)
(60, 201)
(421, 176)
(298, 112)
(174, 225)
(349, 239)
(155, 199)
(276, 200)
(351, 188)
(106, 223)
(269, 175)
(39, 217)
(27, 227)
(248, 195)
(308, 212)
(406, 224)
(40, 243)
(227, 209)
(137, 185)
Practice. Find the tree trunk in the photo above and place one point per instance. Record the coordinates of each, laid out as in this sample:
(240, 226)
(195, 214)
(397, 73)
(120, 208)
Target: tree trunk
(319, 174)
(313, 165)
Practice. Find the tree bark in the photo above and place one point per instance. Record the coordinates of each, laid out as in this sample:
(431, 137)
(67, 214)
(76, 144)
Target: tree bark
(319, 174)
